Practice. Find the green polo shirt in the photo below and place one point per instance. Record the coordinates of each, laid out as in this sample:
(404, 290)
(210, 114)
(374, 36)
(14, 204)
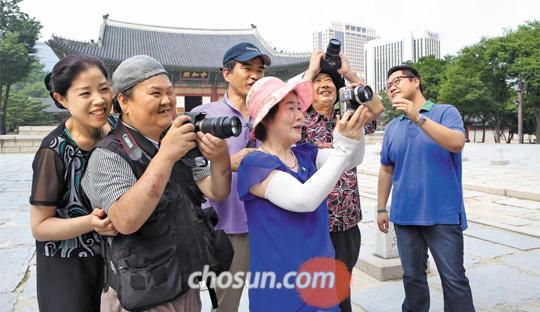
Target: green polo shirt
(425, 108)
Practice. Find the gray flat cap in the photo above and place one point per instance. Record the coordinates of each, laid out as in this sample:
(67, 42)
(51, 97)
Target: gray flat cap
(134, 70)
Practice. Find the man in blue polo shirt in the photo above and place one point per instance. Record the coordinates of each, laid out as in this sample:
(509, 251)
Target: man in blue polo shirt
(421, 160)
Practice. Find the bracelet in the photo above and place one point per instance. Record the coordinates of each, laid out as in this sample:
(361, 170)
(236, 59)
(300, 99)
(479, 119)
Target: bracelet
(382, 210)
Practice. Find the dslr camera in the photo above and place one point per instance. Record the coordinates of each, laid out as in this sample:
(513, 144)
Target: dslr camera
(352, 98)
(331, 58)
(221, 127)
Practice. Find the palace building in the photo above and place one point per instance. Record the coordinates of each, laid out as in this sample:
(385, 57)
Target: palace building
(193, 57)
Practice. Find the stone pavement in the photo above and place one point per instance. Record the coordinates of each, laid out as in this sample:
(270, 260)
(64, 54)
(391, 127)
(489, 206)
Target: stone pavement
(502, 244)
(17, 285)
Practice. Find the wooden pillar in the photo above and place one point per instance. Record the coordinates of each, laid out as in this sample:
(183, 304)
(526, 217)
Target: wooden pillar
(214, 93)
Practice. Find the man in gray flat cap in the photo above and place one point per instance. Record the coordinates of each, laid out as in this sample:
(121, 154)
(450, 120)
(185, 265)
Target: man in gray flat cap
(152, 198)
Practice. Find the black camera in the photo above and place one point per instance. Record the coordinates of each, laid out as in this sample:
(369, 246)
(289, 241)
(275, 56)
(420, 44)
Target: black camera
(221, 127)
(352, 98)
(332, 59)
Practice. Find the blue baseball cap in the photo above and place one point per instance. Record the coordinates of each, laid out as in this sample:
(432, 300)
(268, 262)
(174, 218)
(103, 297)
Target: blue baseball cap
(244, 52)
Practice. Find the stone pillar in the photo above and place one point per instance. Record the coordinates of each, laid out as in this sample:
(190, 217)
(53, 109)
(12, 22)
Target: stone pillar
(499, 159)
(386, 244)
(382, 262)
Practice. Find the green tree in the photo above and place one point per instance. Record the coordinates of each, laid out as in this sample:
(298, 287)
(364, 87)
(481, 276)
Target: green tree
(25, 106)
(389, 111)
(18, 35)
(26, 111)
(477, 83)
(433, 72)
(32, 85)
(463, 87)
(522, 48)
(500, 60)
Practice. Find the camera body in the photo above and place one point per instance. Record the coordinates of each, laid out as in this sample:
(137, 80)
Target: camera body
(352, 98)
(331, 59)
(221, 127)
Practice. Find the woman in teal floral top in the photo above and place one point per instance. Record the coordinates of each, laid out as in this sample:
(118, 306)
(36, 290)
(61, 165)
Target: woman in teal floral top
(69, 264)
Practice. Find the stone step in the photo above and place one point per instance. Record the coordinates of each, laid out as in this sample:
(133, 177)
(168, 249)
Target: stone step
(19, 143)
(503, 237)
(35, 130)
(507, 192)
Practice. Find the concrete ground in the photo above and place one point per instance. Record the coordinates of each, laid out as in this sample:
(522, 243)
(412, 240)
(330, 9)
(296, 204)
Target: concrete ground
(502, 244)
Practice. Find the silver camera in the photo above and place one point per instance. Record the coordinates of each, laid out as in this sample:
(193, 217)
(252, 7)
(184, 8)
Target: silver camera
(352, 98)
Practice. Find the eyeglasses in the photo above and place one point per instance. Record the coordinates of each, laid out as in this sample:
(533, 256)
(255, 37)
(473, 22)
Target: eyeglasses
(396, 81)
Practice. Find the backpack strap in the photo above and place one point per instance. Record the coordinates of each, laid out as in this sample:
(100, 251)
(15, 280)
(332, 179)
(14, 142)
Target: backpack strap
(213, 296)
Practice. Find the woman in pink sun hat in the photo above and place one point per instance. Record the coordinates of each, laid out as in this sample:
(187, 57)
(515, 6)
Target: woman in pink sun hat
(284, 187)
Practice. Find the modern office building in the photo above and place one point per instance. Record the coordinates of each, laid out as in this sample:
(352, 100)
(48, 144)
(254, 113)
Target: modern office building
(382, 54)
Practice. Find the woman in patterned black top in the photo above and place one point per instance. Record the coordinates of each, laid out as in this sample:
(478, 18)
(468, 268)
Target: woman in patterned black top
(69, 264)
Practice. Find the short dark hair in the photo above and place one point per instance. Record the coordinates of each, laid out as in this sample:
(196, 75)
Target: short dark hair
(66, 70)
(260, 130)
(128, 94)
(229, 65)
(407, 70)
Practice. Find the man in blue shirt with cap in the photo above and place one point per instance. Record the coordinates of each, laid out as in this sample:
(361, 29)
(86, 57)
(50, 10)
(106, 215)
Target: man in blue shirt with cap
(243, 65)
(421, 160)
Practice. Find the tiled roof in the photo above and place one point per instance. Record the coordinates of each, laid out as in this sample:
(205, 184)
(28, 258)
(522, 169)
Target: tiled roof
(175, 48)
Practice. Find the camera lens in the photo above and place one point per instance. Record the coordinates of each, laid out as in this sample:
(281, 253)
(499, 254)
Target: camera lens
(234, 125)
(332, 59)
(334, 46)
(363, 94)
(221, 127)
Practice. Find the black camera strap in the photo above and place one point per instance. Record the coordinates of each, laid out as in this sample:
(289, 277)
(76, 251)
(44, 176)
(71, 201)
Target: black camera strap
(129, 144)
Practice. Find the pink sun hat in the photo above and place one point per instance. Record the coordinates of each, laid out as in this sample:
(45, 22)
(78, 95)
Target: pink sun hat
(269, 91)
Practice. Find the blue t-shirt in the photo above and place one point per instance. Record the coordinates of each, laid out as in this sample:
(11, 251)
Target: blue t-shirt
(427, 187)
(280, 240)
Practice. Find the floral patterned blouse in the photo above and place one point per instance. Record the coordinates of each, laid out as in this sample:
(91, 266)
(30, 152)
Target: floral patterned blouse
(344, 201)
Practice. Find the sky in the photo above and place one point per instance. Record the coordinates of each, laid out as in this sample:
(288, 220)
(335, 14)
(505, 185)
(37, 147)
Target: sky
(288, 24)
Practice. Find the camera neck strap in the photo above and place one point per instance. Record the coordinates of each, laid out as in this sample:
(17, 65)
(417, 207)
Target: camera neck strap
(129, 143)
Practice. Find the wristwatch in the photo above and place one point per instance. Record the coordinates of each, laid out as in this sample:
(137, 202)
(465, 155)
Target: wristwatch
(382, 210)
(421, 119)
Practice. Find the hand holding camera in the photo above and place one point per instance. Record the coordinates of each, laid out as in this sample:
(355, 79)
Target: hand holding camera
(314, 65)
(178, 139)
(350, 98)
(351, 124)
(182, 135)
(332, 57)
(212, 147)
(210, 140)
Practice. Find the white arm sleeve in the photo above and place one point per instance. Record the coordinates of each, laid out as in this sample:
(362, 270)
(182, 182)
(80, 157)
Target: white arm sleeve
(287, 192)
(357, 156)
